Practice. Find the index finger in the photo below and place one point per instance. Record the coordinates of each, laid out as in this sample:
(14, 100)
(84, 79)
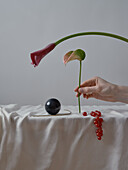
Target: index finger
(90, 82)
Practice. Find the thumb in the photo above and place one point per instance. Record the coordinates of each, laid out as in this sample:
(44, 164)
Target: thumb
(86, 90)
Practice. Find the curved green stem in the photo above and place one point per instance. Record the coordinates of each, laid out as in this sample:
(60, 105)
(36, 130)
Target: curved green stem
(79, 86)
(92, 33)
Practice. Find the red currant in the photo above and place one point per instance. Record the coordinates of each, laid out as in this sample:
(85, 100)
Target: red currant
(100, 130)
(101, 134)
(97, 130)
(98, 134)
(84, 113)
(99, 138)
(97, 118)
(98, 123)
(93, 114)
(98, 113)
(101, 119)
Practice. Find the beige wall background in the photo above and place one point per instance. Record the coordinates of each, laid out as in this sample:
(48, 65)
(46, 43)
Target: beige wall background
(29, 25)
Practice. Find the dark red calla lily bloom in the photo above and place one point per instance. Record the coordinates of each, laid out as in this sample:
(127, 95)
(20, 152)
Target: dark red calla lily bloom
(37, 56)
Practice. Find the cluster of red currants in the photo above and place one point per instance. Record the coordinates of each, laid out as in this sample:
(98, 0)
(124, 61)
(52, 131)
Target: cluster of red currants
(97, 122)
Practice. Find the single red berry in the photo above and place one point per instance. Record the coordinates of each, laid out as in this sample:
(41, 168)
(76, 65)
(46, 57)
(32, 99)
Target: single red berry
(84, 113)
(99, 138)
(97, 118)
(93, 114)
(98, 134)
(101, 134)
(97, 125)
(101, 119)
(98, 113)
(100, 130)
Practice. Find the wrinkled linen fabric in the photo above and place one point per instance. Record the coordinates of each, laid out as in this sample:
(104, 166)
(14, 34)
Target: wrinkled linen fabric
(30, 141)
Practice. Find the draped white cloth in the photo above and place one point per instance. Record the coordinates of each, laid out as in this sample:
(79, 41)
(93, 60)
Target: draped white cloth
(30, 141)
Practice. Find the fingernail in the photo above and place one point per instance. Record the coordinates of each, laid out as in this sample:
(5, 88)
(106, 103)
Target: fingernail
(80, 90)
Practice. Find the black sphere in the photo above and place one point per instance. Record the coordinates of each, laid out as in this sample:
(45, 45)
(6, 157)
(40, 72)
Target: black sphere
(52, 106)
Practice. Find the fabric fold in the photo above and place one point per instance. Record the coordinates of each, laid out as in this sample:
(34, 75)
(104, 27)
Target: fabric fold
(66, 142)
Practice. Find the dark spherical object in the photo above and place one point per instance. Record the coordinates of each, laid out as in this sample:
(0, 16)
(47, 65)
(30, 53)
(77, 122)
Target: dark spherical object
(52, 106)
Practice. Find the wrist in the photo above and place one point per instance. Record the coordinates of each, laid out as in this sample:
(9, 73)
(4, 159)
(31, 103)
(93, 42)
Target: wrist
(121, 93)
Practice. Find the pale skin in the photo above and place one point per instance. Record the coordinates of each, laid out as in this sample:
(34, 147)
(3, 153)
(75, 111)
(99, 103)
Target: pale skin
(101, 89)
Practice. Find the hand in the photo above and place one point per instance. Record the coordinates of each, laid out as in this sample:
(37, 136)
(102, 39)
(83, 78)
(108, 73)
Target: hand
(98, 88)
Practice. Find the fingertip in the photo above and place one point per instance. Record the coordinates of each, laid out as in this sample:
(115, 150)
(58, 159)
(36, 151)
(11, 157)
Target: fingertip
(80, 90)
(76, 89)
(84, 95)
(78, 94)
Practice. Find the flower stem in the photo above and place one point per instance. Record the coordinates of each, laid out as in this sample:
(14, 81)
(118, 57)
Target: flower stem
(79, 86)
(92, 33)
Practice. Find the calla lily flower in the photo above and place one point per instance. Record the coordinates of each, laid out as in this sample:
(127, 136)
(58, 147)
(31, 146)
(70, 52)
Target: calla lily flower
(74, 55)
(37, 56)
